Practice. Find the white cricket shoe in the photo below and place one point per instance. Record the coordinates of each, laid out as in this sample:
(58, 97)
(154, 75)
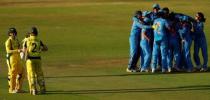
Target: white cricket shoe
(169, 70)
(33, 92)
(13, 92)
(130, 70)
(153, 70)
(204, 70)
(144, 70)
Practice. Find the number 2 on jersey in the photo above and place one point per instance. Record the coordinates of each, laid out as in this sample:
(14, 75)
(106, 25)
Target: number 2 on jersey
(34, 47)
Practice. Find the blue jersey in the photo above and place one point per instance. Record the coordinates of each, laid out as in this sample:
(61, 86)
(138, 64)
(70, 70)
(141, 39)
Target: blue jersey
(173, 33)
(198, 29)
(160, 26)
(178, 17)
(153, 16)
(137, 26)
(185, 31)
(148, 33)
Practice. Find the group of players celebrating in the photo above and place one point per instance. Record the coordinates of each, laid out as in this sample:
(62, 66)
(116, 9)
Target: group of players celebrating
(162, 40)
(26, 53)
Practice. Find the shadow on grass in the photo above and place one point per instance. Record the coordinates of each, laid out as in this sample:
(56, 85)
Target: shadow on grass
(172, 89)
(127, 74)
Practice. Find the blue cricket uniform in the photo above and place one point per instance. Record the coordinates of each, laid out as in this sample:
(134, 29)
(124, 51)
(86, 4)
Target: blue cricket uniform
(134, 40)
(153, 16)
(185, 34)
(146, 48)
(160, 26)
(174, 45)
(200, 42)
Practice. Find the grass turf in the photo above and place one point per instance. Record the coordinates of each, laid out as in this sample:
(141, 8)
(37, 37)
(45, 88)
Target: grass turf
(88, 50)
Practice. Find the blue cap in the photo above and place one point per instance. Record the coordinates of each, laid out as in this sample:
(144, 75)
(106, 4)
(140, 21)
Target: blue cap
(156, 6)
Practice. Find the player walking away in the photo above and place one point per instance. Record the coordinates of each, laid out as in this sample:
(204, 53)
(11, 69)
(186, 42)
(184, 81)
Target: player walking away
(33, 48)
(186, 39)
(160, 26)
(15, 70)
(200, 42)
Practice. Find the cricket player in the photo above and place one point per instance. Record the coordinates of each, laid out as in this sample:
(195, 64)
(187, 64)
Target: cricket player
(145, 45)
(186, 40)
(22, 54)
(15, 70)
(200, 42)
(33, 48)
(174, 44)
(160, 27)
(153, 14)
(134, 40)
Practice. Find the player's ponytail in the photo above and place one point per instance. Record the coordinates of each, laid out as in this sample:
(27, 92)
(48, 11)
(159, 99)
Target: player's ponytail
(201, 15)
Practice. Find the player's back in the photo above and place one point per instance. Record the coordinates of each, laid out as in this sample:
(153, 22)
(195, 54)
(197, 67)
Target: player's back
(33, 45)
(160, 27)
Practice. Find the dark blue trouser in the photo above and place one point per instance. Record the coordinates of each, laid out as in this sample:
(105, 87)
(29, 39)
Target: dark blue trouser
(174, 52)
(186, 54)
(201, 43)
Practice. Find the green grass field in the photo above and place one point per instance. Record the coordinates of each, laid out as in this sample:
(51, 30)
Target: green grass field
(88, 50)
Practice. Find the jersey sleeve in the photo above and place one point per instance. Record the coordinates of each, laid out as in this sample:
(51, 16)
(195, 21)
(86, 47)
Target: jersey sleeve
(143, 30)
(141, 25)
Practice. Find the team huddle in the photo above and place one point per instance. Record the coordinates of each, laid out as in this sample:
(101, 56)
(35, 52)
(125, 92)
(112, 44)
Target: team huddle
(28, 52)
(162, 40)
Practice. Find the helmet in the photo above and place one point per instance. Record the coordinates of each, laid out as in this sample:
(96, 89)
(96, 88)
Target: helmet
(156, 6)
(34, 30)
(12, 30)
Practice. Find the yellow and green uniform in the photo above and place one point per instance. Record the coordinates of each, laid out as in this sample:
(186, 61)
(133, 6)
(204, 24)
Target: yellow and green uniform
(15, 70)
(33, 63)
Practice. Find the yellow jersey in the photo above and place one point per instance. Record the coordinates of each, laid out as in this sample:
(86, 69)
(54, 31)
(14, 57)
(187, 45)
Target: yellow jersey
(12, 46)
(33, 47)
